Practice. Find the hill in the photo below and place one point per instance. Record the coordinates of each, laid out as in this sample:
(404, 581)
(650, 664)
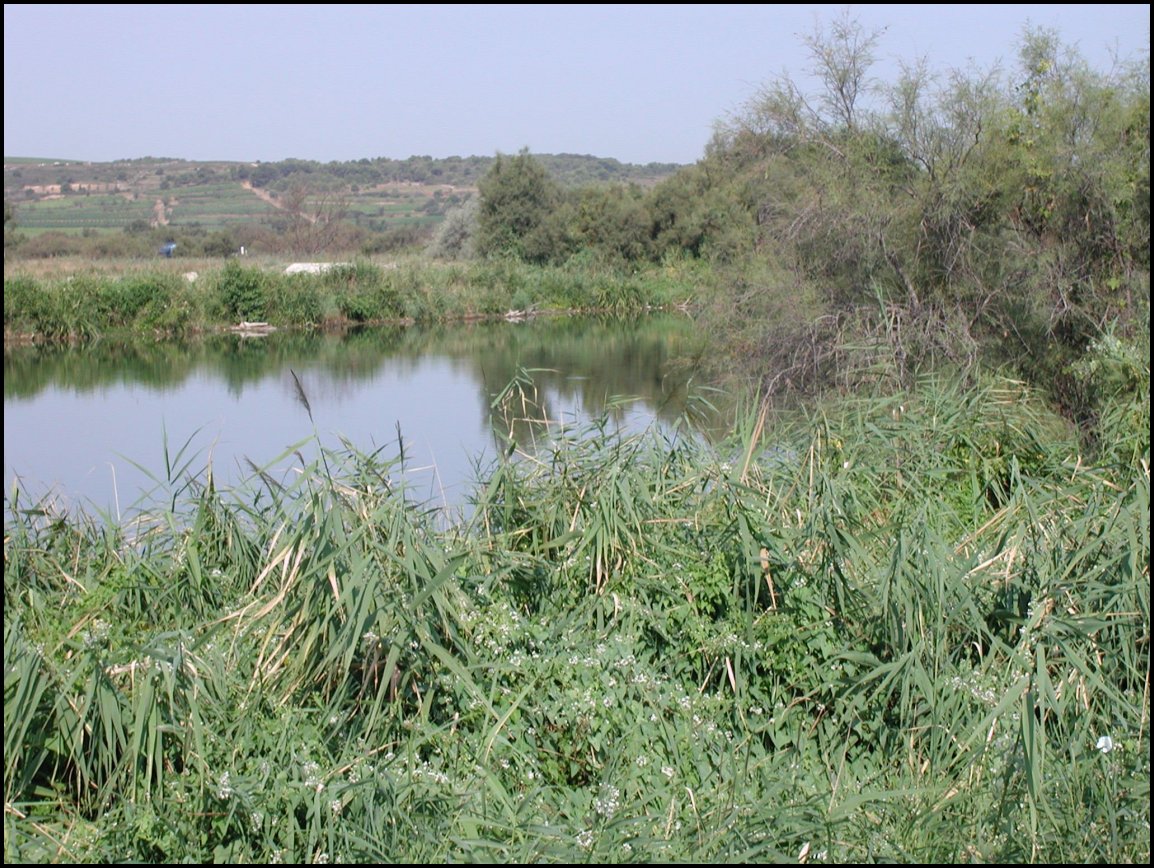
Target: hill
(376, 195)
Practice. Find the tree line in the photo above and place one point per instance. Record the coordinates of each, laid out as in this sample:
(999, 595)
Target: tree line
(937, 218)
(570, 170)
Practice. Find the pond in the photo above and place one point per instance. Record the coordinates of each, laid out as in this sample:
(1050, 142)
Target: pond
(112, 425)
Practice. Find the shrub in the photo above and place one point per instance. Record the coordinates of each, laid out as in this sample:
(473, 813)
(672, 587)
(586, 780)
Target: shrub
(242, 292)
(455, 236)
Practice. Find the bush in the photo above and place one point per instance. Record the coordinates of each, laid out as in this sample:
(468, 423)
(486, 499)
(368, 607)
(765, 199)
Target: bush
(242, 292)
(455, 236)
(1114, 380)
(515, 214)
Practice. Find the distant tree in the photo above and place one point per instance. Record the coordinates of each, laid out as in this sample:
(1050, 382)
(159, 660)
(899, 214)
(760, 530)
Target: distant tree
(517, 200)
(220, 244)
(315, 221)
(455, 236)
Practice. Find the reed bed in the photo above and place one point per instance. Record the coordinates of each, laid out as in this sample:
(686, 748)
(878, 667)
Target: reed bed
(909, 628)
(63, 302)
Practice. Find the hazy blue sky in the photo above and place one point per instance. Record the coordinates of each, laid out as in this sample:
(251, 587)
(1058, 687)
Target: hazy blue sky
(638, 83)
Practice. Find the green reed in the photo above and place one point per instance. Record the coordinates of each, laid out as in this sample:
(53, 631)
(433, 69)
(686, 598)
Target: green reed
(909, 627)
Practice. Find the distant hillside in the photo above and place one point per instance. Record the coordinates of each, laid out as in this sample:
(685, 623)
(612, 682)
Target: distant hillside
(151, 192)
(147, 174)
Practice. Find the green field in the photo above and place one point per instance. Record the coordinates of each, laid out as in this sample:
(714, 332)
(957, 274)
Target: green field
(84, 212)
(211, 206)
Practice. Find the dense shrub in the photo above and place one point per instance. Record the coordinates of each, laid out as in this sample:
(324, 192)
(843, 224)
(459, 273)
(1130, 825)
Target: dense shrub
(123, 301)
(516, 211)
(241, 292)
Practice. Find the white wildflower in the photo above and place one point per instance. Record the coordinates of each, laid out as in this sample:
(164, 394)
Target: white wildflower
(608, 801)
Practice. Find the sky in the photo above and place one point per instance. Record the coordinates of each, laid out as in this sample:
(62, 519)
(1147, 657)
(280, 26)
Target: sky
(637, 83)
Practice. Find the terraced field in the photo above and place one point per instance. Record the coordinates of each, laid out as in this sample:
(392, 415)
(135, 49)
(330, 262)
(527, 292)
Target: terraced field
(212, 206)
(215, 206)
(46, 195)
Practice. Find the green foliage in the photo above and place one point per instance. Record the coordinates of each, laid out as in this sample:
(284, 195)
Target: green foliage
(295, 302)
(1114, 379)
(612, 222)
(125, 299)
(823, 639)
(76, 306)
(26, 307)
(151, 302)
(358, 292)
(949, 218)
(454, 238)
(241, 292)
(911, 625)
(515, 213)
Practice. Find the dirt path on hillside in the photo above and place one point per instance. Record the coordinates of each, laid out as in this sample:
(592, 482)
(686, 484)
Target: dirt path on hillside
(158, 213)
(269, 198)
(263, 195)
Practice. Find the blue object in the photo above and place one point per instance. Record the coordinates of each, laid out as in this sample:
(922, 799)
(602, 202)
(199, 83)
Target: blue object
(167, 249)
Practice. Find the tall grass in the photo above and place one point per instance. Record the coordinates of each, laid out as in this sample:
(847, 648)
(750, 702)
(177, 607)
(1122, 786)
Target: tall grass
(84, 304)
(905, 628)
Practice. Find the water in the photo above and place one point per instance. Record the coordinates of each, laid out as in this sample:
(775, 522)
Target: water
(104, 427)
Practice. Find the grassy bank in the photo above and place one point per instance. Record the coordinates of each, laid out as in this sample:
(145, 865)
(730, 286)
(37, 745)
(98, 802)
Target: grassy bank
(177, 298)
(910, 628)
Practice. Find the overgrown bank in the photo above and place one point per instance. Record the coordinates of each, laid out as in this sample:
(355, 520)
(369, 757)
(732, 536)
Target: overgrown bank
(916, 629)
(155, 302)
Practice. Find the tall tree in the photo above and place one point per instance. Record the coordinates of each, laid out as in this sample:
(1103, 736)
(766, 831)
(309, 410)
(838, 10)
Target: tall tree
(518, 199)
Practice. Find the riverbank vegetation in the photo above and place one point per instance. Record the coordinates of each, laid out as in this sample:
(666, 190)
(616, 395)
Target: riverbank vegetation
(908, 622)
(174, 303)
(912, 629)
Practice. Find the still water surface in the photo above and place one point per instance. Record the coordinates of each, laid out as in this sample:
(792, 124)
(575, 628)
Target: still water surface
(98, 427)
